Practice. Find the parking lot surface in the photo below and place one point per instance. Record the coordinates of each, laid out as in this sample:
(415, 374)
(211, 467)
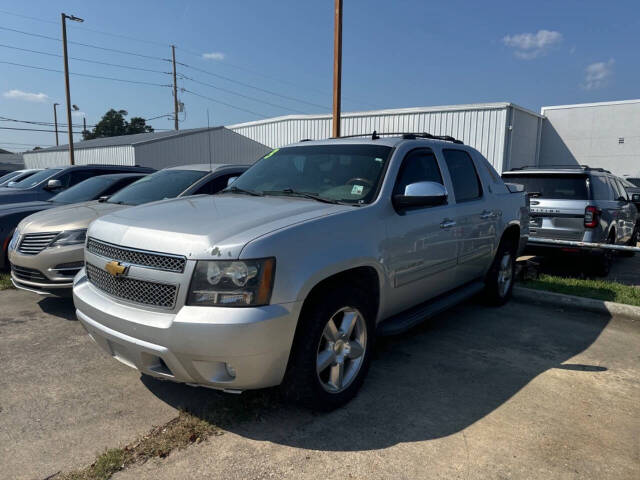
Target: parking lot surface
(523, 391)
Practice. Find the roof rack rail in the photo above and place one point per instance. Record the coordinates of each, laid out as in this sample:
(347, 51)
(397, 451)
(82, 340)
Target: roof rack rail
(406, 135)
(559, 167)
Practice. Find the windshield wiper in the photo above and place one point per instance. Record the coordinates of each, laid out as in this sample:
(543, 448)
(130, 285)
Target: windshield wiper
(234, 189)
(312, 196)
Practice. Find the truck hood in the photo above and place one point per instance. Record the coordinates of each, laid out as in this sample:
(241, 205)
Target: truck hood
(206, 226)
(67, 217)
(12, 195)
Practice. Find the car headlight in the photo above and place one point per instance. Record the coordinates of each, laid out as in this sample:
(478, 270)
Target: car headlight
(14, 240)
(69, 237)
(233, 283)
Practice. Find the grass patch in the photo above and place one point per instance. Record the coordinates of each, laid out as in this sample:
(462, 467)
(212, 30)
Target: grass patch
(201, 421)
(590, 288)
(5, 281)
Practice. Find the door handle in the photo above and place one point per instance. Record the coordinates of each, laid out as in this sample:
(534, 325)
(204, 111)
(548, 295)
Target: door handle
(447, 223)
(486, 214)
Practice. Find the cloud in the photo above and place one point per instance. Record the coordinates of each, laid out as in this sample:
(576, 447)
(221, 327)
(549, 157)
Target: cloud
(531, 45)
(598, 74)
(26, 96)
(213, 56)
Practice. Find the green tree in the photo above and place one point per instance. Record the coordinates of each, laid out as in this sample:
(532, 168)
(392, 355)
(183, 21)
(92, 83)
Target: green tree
(113, 124)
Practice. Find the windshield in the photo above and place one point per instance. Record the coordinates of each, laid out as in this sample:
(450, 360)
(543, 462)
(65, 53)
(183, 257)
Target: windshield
(35, 179)
(84, 191)
(345, 173)
(567, 187)
(8, 176)
(157, 186)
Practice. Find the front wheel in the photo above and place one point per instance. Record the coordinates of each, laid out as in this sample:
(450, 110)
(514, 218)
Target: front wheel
(332, 350)
(499, 281)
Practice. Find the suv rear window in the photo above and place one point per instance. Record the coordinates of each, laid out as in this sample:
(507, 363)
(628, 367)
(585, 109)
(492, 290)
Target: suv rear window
(558, 186)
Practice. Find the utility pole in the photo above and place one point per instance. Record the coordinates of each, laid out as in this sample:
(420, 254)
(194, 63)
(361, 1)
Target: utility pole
(337, 67)
(55, 121)
(84, 123)
(64, 17)
(175, 88)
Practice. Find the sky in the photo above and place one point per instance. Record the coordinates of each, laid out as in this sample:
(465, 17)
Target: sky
(251, 59)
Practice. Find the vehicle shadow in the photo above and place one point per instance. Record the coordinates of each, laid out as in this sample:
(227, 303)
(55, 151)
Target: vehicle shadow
(61, 307)
(431, 382)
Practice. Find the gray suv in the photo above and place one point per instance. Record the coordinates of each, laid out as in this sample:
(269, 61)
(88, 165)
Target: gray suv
(578, 204)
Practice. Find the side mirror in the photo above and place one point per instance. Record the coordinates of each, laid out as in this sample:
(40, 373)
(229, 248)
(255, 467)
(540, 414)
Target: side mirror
(635, 197)
(54, 184)
(103, 198)
(231, 180)
(421, 194)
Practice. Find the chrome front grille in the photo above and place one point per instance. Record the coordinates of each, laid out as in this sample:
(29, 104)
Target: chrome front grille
(142, 258)
(133, 290)
(34, 243)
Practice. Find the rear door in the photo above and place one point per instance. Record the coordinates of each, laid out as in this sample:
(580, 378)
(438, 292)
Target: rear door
(475, 221)
(558, 202)
(625, 214)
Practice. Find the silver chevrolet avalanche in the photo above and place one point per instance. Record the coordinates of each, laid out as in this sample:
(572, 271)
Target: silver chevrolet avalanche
(287, 276)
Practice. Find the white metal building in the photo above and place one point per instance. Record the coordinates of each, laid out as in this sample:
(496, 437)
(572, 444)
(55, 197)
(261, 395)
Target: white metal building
(603, 134)
(508, 135)
(156, 150)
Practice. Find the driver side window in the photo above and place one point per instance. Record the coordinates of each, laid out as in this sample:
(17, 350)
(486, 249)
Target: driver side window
(418, 166)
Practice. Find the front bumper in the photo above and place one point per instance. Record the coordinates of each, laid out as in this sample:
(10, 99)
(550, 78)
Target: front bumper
(50, 271)
(195, 344)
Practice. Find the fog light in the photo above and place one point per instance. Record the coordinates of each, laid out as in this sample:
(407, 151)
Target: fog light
(230, 370)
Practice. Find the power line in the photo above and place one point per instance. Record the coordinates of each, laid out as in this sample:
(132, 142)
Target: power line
(87, 75)
(224, 103)
(33, 122)
(36, 130)
(251, 86)
(82, 59)
(26, 144)
(123, 52)
(241, 95)
(102, 32)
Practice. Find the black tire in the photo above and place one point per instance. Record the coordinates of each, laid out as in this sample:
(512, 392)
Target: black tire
(495, 292)
(633, 242)
(302, 384)
(605, 259)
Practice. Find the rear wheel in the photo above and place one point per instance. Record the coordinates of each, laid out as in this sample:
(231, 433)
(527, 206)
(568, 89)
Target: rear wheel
(633, 242)
(332, 350)
(499, 281)
(605, 259)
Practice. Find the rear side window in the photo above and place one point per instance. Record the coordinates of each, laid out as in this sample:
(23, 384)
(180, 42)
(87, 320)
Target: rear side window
(621, 189)
(600, 188)
(466, 183)
(557, 186)
(417, 166)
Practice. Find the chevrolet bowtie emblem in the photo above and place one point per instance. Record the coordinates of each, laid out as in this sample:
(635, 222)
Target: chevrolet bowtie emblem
(116, 268)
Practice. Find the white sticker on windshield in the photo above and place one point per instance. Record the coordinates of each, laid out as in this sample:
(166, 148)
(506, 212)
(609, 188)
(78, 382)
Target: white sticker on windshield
(357, 190)
(378, 159)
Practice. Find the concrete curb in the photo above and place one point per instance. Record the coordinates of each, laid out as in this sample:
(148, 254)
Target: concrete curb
(590, 304)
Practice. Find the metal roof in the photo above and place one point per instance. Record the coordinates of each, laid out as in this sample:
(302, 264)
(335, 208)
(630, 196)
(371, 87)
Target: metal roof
(124, 140)
(587, 105)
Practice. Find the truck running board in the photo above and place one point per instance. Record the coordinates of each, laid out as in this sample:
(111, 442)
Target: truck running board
(410, 318)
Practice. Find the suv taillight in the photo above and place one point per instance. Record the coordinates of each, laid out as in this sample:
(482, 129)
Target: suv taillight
(591, 215)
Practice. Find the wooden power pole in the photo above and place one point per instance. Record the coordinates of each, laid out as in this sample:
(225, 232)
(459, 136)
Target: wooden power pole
(66, 82)
(55, 121)
(175, 88)
(337, 67)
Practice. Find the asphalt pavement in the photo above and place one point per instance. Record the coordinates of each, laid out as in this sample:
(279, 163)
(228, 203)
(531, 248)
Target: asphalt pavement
(523, 391)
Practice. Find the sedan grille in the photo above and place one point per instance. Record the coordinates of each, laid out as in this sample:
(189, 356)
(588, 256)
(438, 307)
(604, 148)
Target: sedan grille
(142, 258)
(34, 243)
(133, 290)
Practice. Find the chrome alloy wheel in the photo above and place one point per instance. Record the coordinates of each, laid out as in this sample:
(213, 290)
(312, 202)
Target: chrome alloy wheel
(505, 274)
(341, 349)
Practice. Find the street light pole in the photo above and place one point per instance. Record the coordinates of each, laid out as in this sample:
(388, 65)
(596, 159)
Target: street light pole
(55, 121)
(337, 67)
(64, 17)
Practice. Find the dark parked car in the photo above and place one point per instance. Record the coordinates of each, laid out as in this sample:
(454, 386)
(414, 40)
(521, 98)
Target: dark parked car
(633, 180)
(90, 189)
(16, 176)
(48, 182)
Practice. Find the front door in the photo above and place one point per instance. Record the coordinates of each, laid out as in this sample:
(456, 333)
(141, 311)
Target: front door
(421, 249)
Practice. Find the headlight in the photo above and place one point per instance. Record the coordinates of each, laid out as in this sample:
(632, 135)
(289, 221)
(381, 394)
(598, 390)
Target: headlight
(69, 237)
(235, 283)
(14, 240)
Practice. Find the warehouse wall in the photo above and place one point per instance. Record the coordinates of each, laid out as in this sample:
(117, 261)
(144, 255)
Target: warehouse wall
(482, 126)
(524, 142)
(590, 134)
(117, 155)
(226, 147)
